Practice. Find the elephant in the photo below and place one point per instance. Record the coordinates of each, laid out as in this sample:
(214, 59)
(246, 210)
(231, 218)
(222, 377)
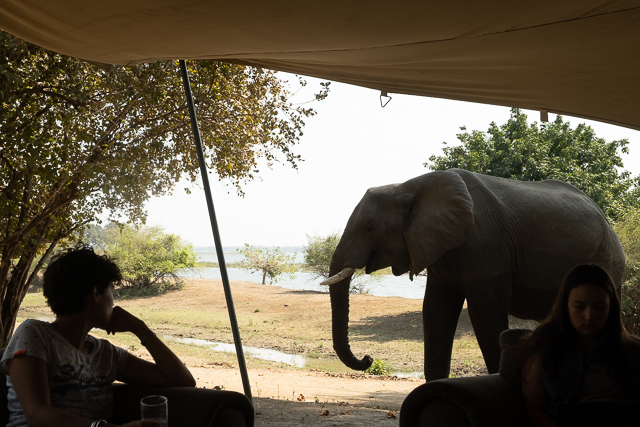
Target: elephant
(502, 245)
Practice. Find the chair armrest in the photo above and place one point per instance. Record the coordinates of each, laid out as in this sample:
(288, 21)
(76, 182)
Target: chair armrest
(489, 400)
(188, 406)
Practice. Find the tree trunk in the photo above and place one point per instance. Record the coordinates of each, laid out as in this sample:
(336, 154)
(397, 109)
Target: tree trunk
(16, 288)
(16, 284)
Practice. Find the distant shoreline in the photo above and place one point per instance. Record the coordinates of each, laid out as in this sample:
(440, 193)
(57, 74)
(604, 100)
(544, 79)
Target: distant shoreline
(233, 249)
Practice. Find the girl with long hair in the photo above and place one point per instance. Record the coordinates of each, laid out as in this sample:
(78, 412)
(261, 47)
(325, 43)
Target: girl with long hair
(581, 352)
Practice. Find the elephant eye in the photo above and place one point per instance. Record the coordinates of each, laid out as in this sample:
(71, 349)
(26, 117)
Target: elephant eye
(368, 228)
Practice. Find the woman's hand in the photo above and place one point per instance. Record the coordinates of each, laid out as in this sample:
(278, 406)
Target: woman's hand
(123, 321)
(534, 394)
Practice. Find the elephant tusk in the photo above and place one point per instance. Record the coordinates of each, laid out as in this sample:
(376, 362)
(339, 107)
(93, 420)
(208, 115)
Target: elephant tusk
(346, 272)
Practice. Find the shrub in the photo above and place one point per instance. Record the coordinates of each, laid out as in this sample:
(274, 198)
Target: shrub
(631, 297)
(130, 292)
(317, 259)
(379, 367)
(148, 256)
(628, 231)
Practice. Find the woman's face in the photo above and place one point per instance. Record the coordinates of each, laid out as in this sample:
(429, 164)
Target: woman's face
(588, 309)
(104, 307)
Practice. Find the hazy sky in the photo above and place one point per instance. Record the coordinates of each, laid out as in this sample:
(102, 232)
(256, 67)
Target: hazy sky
(351, 145)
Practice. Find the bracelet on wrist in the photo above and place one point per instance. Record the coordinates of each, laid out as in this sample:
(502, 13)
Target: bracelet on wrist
(97, 423)
(144, 339)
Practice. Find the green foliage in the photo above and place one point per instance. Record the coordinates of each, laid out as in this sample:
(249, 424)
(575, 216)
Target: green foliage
(317, 260)
(318, 253)
(628, 231)
(631, 303)
(270, 262)
(147, 256)
(132, 292)
(79, 140)
(95, 235)
(517, 150)
(379, 367)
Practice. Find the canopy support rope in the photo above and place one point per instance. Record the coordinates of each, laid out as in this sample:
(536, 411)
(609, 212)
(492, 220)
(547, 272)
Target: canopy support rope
(216, 233)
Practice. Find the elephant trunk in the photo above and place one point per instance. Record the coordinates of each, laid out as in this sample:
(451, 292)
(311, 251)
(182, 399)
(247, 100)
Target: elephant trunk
(339, 293)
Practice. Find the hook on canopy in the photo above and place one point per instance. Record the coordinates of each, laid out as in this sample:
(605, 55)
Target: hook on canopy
(384, 98)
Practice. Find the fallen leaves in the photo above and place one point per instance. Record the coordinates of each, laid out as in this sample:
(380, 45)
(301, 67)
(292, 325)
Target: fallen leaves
(362, 376)
(326, 413)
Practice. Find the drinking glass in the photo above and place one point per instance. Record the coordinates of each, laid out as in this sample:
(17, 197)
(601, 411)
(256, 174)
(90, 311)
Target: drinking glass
(155, 408)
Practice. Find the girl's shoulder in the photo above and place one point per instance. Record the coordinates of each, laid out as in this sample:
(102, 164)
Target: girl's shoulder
(633, 345)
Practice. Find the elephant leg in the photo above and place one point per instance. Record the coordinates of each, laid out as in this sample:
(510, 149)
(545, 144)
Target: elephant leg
(489, 317)
(440, 312)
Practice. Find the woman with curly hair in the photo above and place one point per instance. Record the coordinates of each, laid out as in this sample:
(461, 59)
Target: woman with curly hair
(59, 375)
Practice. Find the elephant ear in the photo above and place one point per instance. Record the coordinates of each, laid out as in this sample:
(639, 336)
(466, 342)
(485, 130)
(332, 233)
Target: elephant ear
(440, 212)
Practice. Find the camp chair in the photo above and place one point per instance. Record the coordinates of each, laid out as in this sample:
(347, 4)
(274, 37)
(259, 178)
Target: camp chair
(489, 400)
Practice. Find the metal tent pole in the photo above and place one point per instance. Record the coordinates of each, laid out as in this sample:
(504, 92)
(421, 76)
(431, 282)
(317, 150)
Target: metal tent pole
(216, 233)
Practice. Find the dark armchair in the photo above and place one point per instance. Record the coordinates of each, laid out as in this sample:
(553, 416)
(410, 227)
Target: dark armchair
(188, 406)
(490, 400)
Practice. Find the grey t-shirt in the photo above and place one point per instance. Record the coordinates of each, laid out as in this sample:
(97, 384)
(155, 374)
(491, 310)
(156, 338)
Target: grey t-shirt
(79, 384)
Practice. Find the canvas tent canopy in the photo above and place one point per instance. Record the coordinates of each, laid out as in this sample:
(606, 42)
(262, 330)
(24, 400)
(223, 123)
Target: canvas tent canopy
(573, 57)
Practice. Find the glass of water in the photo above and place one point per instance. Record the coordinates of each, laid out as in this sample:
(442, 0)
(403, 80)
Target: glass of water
(155, 408)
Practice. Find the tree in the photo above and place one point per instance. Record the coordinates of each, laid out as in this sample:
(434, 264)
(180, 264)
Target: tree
(96, 236)
(77, 139)
(270, 262)
(148, 255)
(318, 254)
(628, 231)
(517, 150)
(317, 260)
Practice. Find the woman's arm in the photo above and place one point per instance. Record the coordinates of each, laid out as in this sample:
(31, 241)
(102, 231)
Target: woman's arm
(534, 394)
(29, 378)
(167, 371)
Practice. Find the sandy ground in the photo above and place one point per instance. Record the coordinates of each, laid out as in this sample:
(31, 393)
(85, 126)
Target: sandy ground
(289, 398)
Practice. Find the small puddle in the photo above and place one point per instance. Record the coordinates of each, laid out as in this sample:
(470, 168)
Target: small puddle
(256, 352)
(296, 360)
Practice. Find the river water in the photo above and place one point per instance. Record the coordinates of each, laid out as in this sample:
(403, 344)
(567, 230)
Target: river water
(387, 286)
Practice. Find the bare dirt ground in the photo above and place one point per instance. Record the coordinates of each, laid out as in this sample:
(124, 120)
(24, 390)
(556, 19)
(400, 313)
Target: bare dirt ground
(290, 398)
(297, 322)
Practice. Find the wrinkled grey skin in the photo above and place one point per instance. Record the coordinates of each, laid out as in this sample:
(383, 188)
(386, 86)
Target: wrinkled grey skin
(503, 245)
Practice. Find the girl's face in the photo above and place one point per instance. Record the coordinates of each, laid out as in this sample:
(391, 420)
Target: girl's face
(588, 309)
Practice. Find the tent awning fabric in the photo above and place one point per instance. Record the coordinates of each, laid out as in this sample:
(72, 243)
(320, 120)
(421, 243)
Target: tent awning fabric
(573, 57)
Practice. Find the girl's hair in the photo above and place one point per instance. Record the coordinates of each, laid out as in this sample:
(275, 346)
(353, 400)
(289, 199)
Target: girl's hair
(72, 276)
(554, 335)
